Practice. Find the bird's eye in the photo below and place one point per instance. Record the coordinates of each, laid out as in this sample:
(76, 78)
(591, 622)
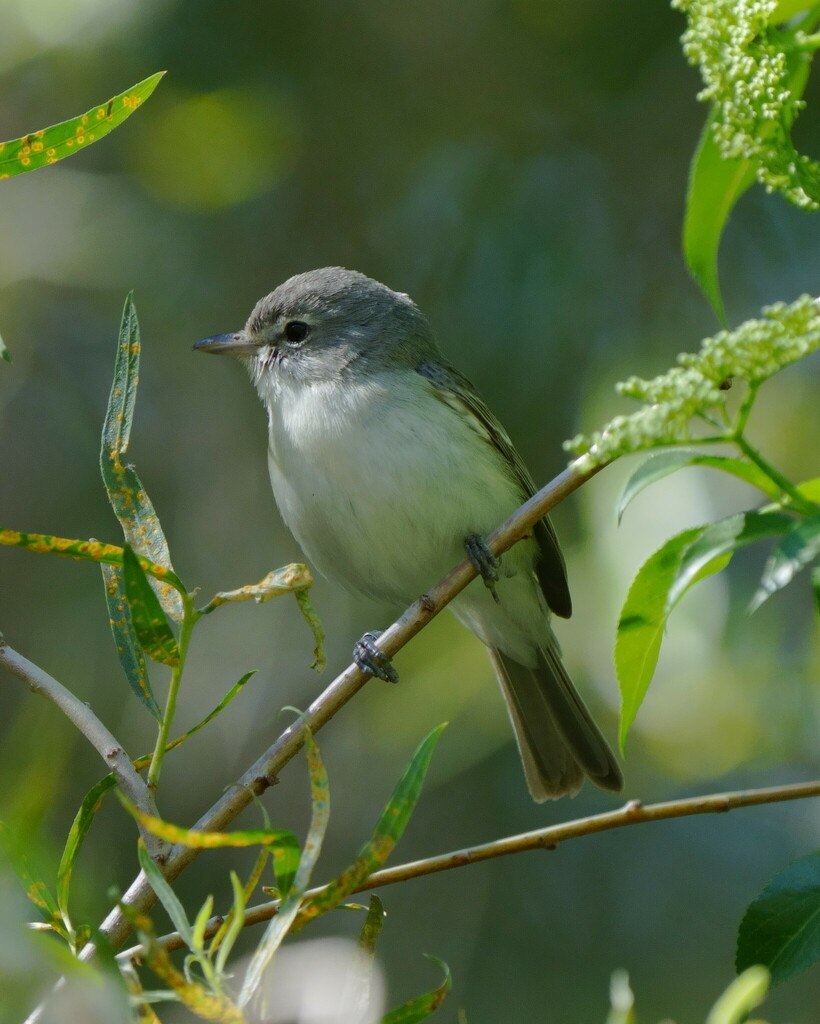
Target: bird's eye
(296, 331)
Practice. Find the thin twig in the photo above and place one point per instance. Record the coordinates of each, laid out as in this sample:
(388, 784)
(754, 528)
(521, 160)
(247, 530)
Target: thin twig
(106, 744)
(632, 813)
(264, 770)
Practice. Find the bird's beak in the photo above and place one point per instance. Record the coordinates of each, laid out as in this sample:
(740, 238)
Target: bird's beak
(238, 344)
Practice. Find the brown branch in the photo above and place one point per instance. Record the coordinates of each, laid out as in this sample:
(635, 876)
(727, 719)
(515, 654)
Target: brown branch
(632, 813)
(264, 770)
(106, 744)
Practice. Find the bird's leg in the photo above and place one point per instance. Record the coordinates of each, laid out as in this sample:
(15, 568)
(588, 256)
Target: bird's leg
(485, 562)
(372, 660)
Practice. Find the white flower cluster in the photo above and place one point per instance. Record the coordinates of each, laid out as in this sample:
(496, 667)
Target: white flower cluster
(746, 75)
(753, 352)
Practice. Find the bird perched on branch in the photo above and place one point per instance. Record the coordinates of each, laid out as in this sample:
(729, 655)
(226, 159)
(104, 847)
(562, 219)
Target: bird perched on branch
(387, 465)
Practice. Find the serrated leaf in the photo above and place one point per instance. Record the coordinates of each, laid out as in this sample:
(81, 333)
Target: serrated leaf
(656, 467)
(422, 1006)
(373, 924)
(386, 834)
(125, 639)
(725, 537)
(800, 547)
(49, 145)
(131, 504)
(781, 927)
(715, 185)
(148, 618)
(76, 835)
(84, 550)
(280, 925)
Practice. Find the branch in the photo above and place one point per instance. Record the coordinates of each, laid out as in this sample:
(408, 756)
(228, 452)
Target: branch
(632, 813)
(264, 770)
(106, 745)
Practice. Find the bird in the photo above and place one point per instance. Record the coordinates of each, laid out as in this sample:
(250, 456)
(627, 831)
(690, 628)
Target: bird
(387, 465)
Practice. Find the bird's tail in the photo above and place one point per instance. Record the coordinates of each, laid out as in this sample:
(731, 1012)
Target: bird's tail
(557, 738)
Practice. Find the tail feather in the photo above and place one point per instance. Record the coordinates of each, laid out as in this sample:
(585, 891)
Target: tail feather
(557, 738)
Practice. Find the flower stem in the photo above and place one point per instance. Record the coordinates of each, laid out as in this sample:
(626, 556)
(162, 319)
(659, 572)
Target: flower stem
(190, 615)
(786, 486)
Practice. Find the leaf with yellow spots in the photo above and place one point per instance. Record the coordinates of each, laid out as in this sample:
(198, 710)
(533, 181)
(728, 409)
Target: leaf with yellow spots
(128, 497)
(92, 550)
(386, 834)
(423, 1006)
(49, 145)
(36, 890)
(149, 620)
(293, 891)
(125, 639)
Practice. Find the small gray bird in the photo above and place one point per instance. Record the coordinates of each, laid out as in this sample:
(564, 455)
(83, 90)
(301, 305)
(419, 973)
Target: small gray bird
(386, 466)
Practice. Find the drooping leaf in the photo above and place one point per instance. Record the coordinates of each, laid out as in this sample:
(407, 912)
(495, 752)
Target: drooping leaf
(76, 835)
(422, 1006)
(386, 834)
(148, 618)
(781, 927)
(49, 145)
(725, 537)
(292, 893)
(800, 547)
(373, 924)
(316, 627)
(128, 497)
(295, 576)
(656, 467)
(80, 550)
(642, 623)
(166, 895)
(125, 639)
(715, 185)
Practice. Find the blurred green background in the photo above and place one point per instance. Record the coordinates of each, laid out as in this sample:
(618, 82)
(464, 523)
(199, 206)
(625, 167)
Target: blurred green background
(519, 167)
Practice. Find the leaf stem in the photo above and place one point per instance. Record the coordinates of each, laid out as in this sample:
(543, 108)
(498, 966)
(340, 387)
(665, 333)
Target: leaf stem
(786, 486)
(189, 618)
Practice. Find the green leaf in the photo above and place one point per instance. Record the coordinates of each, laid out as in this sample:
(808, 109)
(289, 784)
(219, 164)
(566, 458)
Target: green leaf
(147, 616)
(49, 145)
(81, 550)
(423, 1006)
(643, 621)
(76, 835)
(198, 839)
(800, 547)
(35, 888)
(226, 700)
(715, 185)
(4, 352)
(128, 497)
(236, 918)
(742, 996)
(373, 924)
(725, 537)
(125, 639)
(166, 895)
(280, 925)
(815, 585)
(386, 834)
(656, 467)
(781, 928)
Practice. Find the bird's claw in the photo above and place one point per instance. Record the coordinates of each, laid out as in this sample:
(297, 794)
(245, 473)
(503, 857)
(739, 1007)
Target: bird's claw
(372, 660)
(484, 561)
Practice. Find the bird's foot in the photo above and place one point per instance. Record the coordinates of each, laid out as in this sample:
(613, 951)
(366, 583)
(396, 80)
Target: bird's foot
(372, 660)
(485, 562)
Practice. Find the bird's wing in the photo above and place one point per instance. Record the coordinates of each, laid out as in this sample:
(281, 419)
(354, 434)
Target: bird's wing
(455, 390)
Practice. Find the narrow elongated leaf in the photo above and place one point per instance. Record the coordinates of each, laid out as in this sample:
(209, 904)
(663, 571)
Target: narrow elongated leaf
(295, 576)
(4, 352)
(49, 145)
(81, 550)
(166, 895)
(423, 1006)
(715, 185)
(373, 924)
(35, 888)
(280, 925)
(148, 618)
(128, 497)
(781, 928)
(815, 586)
(200, 840)
(741, 997)
(316, 627)
(386, 834)
(810, 489)
(800, 547)
(231, 928)
(642, 623)
(125, 639)
(725, 537)
(226, 700)
(656, 467)
(76, 835)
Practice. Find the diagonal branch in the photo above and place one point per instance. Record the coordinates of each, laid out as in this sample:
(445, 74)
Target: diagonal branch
(263, 772)
(548, 838)
(81, 715)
